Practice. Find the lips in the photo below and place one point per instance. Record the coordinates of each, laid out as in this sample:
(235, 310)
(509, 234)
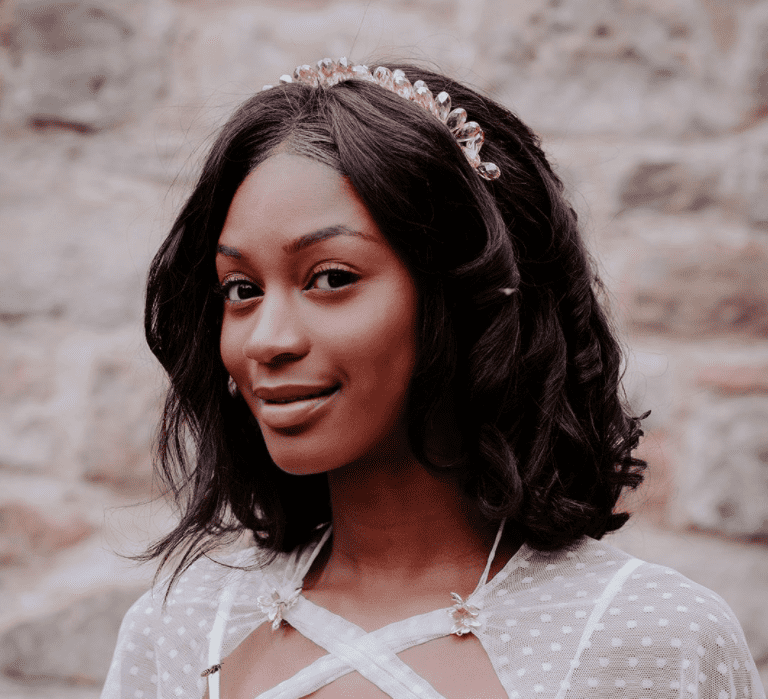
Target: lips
(290, 393)
(290, 406)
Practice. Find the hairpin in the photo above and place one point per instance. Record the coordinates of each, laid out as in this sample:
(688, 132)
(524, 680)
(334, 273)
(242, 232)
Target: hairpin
(468, 134)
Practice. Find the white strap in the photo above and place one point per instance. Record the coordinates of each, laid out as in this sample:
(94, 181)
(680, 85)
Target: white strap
(373, 659)
(601, 604)
(396, 636)
(308, 564)
(491, 556)
(373, 655)
(217, 639)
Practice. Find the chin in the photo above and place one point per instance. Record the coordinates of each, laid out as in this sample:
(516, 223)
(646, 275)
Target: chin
(295, 456)
(303, 460)
(296, 466)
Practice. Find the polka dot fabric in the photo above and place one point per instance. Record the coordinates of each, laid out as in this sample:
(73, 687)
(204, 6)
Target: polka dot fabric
(594, 622)
(589, 622)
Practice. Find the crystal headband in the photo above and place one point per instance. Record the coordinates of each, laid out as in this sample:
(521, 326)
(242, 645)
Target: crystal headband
(468, 134)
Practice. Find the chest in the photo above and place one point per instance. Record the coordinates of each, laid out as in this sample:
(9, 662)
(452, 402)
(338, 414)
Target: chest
(457, 667)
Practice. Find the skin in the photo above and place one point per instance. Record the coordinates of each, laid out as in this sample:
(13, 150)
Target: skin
(339, 311)
(403, 539)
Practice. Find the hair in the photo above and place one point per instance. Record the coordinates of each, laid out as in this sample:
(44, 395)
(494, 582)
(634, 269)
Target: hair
(547, 437)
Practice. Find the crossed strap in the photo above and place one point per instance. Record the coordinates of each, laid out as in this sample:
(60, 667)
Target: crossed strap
(351, 648)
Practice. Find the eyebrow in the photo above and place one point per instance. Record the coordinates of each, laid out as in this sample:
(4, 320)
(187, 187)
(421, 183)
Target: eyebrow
(304, 241)
(309, 239)
(228, 251)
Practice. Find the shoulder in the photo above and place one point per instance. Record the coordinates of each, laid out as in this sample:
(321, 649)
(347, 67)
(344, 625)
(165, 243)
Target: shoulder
(163, 639)
(194, 596)
(621, 623)
(673, 608)
(691, 633)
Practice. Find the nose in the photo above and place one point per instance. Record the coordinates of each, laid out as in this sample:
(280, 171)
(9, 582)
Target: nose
(278, 334)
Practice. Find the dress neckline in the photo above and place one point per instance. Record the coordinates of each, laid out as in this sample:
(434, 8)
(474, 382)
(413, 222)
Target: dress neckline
(474, 598)
(373, 654)
(304, 566)
(287, 597)
(465, 611)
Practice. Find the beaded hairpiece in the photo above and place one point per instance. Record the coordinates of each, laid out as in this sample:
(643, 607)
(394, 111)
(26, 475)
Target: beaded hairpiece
(468, 134)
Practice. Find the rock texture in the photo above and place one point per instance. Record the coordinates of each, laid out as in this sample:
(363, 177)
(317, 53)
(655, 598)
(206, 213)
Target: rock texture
(727, 443)
(25, 531)
(640, 67)
(700, 292)
(655, 115)
(84, 65)
(67, 647)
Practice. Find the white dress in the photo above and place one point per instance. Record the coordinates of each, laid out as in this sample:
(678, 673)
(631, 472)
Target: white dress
(591, 621)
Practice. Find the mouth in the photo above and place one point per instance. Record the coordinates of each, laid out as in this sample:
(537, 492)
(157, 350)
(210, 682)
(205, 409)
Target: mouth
(295, 410)
(306, 397)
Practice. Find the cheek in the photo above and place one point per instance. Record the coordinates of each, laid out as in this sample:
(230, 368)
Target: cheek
(230, 347)
(379, 342)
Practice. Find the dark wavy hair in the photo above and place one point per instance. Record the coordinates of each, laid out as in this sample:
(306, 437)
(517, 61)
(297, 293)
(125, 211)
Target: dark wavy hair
(547, 437)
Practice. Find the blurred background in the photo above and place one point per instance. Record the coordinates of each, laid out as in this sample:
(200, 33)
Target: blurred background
(655, 113)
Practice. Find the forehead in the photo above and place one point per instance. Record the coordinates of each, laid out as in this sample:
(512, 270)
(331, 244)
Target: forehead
(288, 196)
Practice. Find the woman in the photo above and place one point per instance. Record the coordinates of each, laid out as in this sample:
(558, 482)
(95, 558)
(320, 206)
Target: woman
(389, 368)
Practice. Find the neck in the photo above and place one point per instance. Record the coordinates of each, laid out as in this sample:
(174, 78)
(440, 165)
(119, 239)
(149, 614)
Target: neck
(398, 525)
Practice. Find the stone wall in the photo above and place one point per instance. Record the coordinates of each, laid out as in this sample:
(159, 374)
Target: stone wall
(654, 111)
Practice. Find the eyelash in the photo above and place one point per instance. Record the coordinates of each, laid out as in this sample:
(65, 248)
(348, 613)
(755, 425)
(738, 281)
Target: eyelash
(228, 284)
(328, 269)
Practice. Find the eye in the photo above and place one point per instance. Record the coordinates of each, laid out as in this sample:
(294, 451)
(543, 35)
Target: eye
(239, 290)
(331, 279)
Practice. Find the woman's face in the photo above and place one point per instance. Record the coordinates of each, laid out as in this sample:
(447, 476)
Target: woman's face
(319, 328)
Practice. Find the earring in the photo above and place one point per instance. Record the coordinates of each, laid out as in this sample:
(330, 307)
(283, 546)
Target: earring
(231, 387)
